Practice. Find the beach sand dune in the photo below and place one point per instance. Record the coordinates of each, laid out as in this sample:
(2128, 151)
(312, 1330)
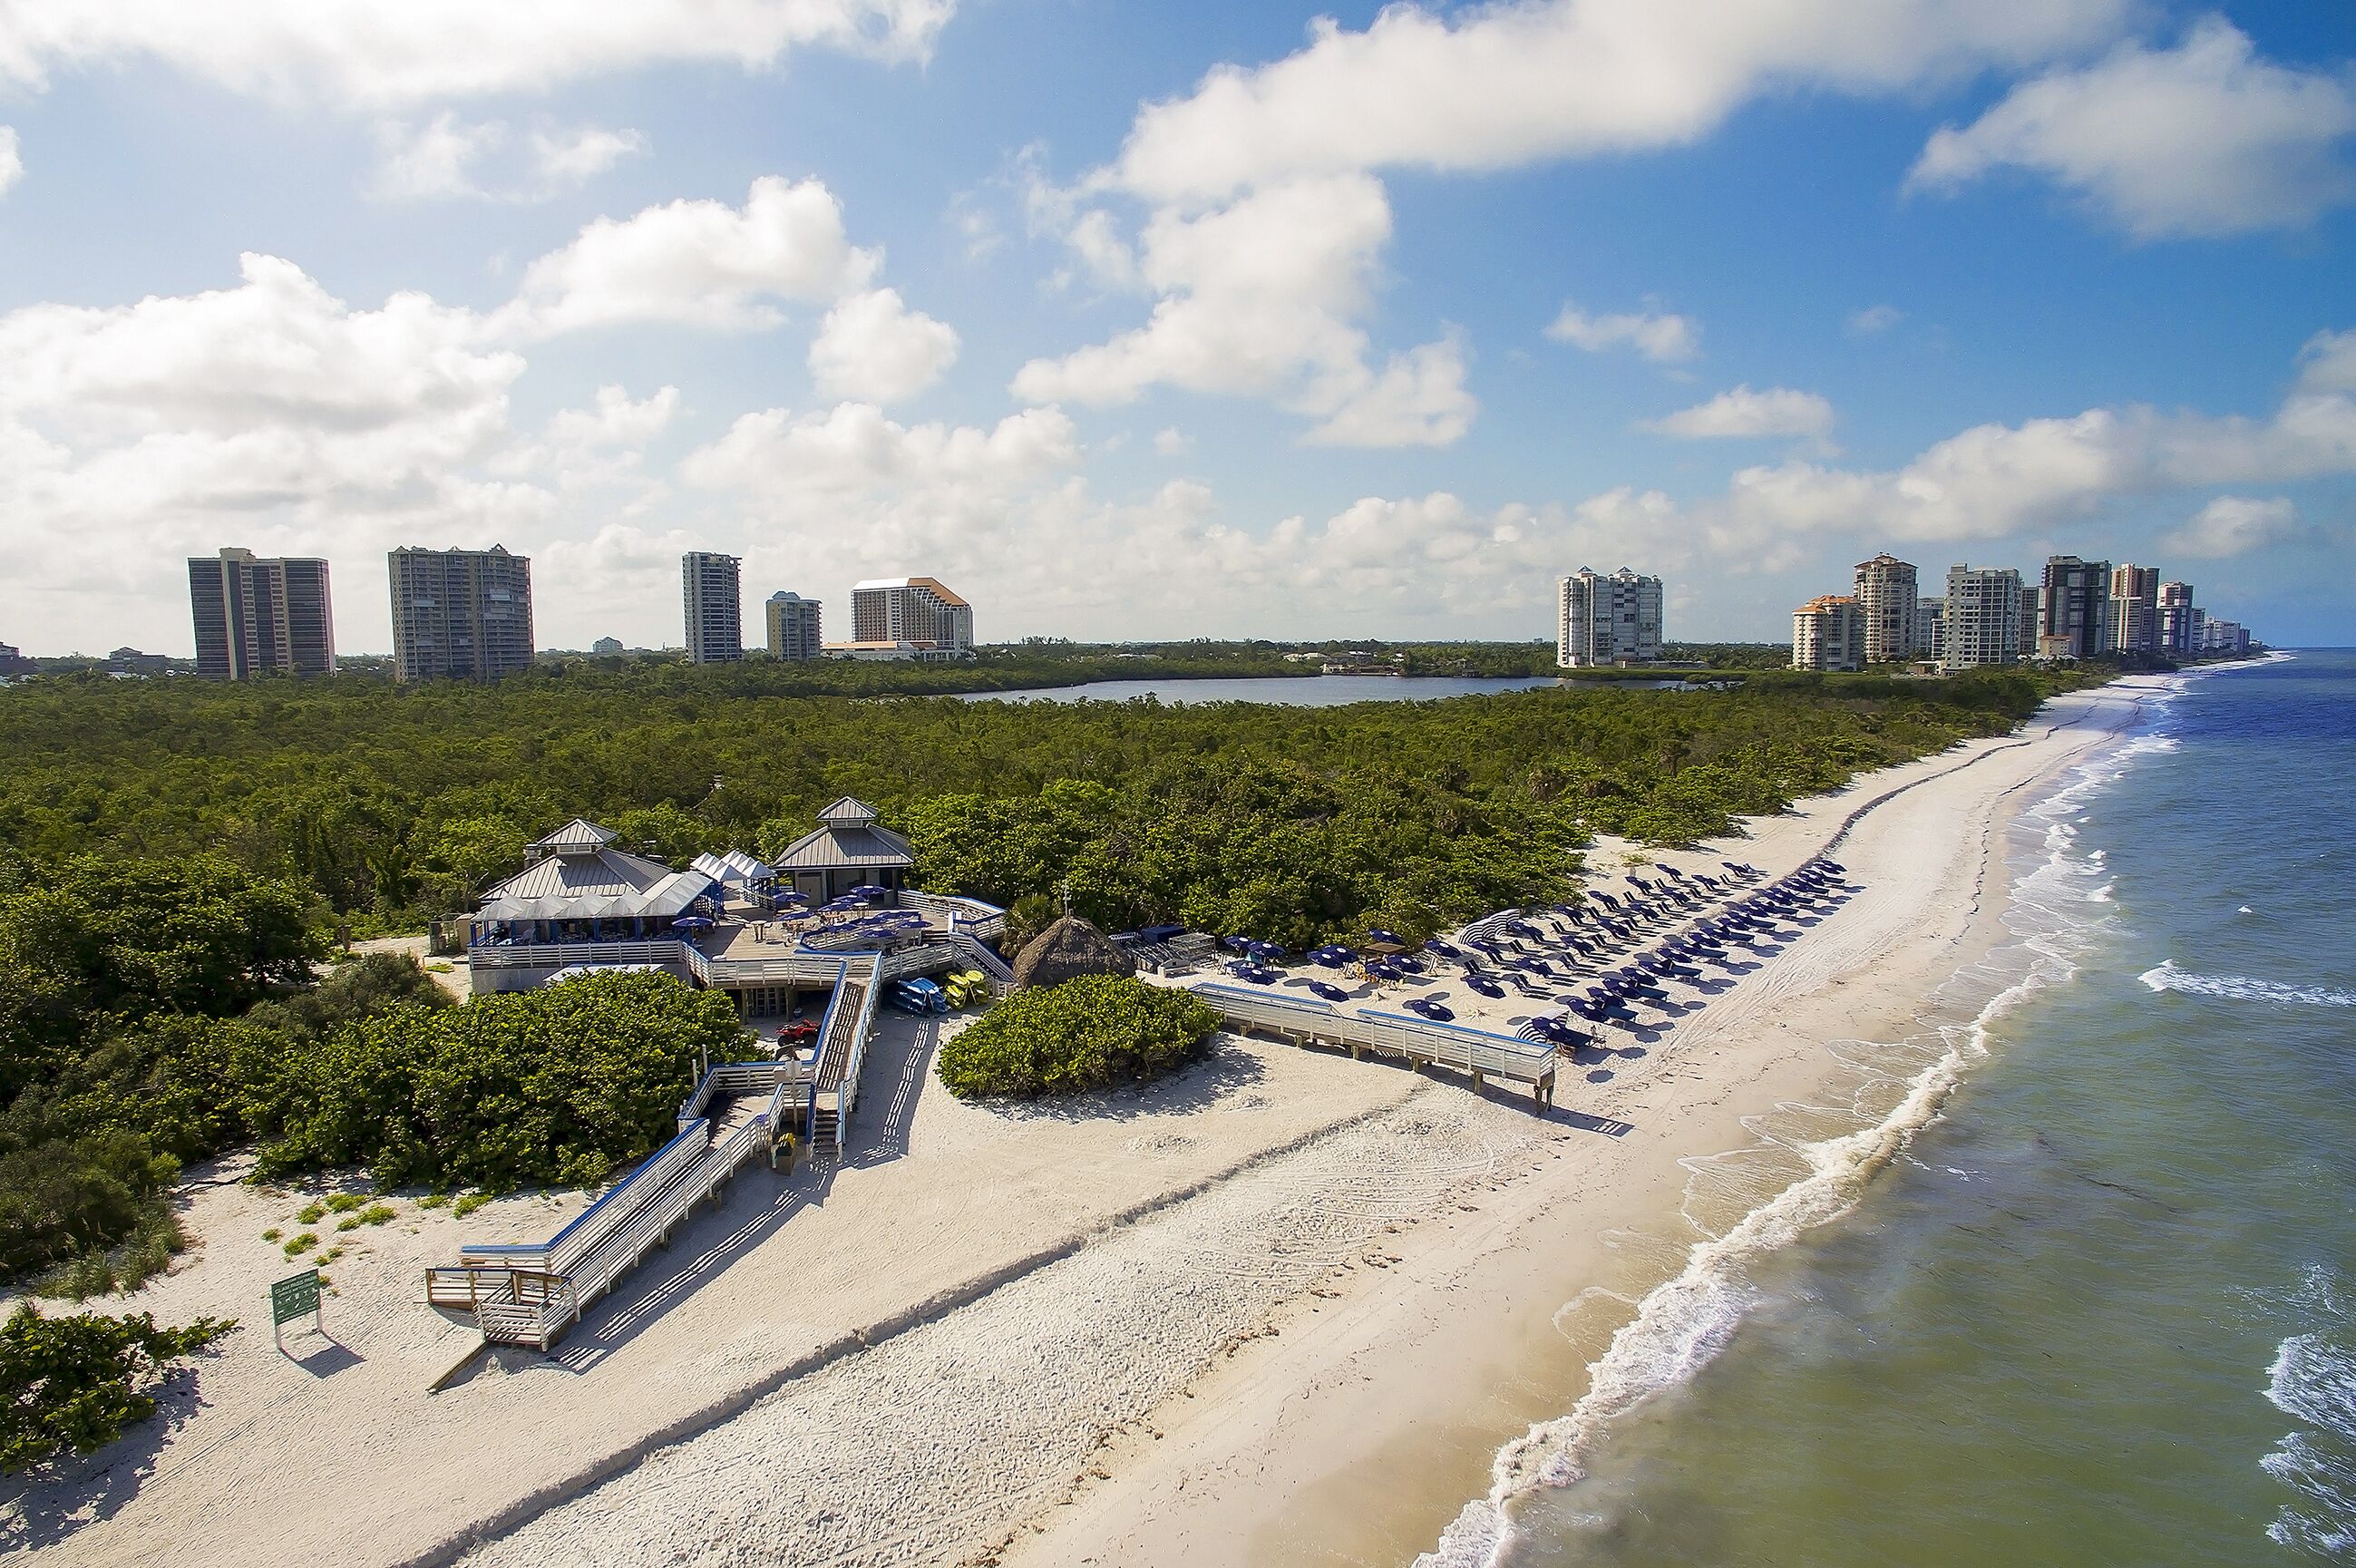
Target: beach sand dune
(1282, 1309)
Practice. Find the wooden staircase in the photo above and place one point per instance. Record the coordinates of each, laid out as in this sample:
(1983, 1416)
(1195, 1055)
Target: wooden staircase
(825, 1133)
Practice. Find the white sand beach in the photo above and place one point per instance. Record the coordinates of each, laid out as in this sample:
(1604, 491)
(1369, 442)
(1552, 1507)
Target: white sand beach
(1282, 1308)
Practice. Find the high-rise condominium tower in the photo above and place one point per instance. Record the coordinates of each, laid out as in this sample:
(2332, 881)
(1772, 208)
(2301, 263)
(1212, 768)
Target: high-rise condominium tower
(460, 614)
(2135, 609)
(1601, 621)
(2073, 609)
(2176, 618)
(1831, 633)
(916, 610)
(1983, 618)
(793, 627)
(256, 615)
(714, 601)
(1887, 598)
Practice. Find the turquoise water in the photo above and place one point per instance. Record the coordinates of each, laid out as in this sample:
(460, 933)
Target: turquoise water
(1304, 691)
(2100, 1308)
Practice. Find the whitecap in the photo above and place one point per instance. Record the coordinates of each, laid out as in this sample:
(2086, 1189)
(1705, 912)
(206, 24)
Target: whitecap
(2243, 988)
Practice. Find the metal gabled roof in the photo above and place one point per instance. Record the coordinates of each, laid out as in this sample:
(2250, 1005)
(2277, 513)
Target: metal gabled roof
(578, 834)
(848, 848)
(848, 812)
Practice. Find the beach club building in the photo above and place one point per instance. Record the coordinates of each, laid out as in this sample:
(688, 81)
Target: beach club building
(771, 936)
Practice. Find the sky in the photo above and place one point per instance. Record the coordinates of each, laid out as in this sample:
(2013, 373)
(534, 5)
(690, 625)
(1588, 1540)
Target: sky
(1156, 321)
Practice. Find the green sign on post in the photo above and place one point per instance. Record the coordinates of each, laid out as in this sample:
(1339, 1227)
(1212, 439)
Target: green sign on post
(290, 1298)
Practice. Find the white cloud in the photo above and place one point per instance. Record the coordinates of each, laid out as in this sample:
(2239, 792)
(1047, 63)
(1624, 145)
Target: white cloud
(1173, 442)
(1259, 299)
(1419, 400)
(1996, 481)
(339, 51)
(853, 450)
(2232, 525)
(1507, 84)
(873, 348)
(1664, 340)
(1778, 411)
(434, 159)
(697, 264)
(2202, 139)
(269, 413)
(581, 154)
(1872, 320)
(12, 161)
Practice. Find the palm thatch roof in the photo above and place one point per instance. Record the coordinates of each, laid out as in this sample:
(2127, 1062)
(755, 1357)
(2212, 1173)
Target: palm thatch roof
(1065, 951)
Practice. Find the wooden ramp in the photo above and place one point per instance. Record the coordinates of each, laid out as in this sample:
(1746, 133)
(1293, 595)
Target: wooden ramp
(1418, 1042)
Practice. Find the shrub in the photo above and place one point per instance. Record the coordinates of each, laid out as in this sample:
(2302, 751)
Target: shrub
(272, 1234)
(469, 1202)
(71, 1381)
(310, 1214)
(1083, 1034)
(345, 1202)
(375, 1214)
(302, 1243)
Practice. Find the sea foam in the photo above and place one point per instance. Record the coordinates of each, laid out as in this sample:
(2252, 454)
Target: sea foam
(2241, 988)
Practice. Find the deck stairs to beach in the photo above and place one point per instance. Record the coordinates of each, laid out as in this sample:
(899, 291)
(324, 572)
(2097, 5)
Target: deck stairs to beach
(529, 1294)
(825, 1134)
(1001, 976)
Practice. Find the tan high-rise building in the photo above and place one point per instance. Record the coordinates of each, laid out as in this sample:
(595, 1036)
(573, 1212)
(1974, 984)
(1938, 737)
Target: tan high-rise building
(2135, 609)
(1830, 633)
(460, 614)
(711, 597)
(257, 616)
(793, 627)
(1888, 597)
(906, 617)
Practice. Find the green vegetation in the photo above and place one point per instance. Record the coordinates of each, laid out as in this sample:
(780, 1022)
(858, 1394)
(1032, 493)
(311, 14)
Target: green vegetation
(1083, 1034)
(559, 1086)
(469, 1202)
(154, 1011)
(74, 1381)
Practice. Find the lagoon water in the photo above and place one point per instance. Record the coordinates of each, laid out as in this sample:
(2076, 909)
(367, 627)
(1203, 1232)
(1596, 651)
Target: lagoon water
(1294, 690)
(2101, 1307)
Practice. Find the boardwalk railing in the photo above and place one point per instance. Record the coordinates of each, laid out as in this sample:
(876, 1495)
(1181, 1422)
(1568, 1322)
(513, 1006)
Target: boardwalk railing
(1420, 1041)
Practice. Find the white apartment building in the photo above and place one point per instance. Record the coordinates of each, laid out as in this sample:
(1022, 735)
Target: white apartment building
(1890, 599)
(1982, 622)
(712, 596)
(1602, 621)
(1832, 632)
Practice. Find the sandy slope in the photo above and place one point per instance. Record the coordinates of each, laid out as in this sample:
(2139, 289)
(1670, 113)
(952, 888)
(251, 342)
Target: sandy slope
(1287, 1305)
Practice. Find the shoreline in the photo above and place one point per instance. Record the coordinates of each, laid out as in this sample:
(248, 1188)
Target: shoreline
(1394, 1439)
(1232, 1283)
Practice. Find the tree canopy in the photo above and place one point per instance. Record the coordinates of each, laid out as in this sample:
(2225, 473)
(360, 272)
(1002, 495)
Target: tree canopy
(1089, 1033)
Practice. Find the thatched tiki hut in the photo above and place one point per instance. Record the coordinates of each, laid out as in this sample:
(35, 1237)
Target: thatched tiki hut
(1067, 950)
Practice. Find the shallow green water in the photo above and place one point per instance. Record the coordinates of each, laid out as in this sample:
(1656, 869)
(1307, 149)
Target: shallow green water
(2099, 1309)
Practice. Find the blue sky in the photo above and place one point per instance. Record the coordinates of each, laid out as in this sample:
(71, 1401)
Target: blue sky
(1134, 321)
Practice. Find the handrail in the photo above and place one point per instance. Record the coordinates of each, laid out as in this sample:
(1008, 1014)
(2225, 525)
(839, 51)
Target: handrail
(846, 1096)
(1443, 1044)
(679, 1153)
(989, 963)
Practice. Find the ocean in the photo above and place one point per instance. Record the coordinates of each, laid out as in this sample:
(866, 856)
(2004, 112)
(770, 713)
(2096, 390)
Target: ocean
(2067, 1277)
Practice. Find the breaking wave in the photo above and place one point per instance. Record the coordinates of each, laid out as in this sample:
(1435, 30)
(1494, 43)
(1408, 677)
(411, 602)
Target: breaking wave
(2241, 988)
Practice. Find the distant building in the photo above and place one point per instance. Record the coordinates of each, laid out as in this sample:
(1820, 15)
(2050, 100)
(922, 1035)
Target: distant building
(460, 614)
(1602, 621)
(257, 616)
(906, 617)
(1983, 620)
(12, 662)
(2219, 636)
(607, 647)
(1930, 617)
(2135, 609)
(1888, 599)
(2176, 618)
(2029, 597)
(1832, 632)
(793, 627)
(2073, 609)
(131, 661)
(712, 593)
